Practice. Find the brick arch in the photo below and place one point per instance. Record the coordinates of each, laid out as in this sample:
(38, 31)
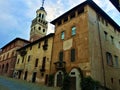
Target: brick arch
(79, 70)
(75, 78)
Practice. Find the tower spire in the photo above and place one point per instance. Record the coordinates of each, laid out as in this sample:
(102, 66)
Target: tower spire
(43, 2)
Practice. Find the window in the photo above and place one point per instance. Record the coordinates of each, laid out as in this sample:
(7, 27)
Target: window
(39, 28)
(36, 62)
(72, 15)
(102, 20)
(42, 16)
(30, 47)
(18, 61)
(46, 41)
(43, 63)
(112, 39)
(39, 45)
(116, 64)
(73, 30)
(8, 55)
(59, 23)
(61, 56)
(39, 20)
(43, 30)
(34, 28)
(109, 59)
(3, 57)
(12, 54)
(106, 23)
(62, 35)
(105, 33)
(72, 55)
(65, 19)
(22, 59)
(28, 58)
(80, 10)
(119, 81)
(112, 80)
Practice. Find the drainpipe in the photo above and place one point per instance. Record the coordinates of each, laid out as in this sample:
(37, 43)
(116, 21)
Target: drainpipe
(98, 26)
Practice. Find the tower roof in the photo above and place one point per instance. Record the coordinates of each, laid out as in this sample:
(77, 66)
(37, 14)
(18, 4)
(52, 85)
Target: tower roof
(42, 8)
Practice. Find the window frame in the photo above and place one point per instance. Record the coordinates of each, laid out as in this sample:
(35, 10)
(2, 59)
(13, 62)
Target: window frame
(62, 35)
(73, 30)
(109, 59)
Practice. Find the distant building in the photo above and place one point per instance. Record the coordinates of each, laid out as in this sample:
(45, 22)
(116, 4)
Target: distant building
(116, 3)
(88, 40)
(8, 56)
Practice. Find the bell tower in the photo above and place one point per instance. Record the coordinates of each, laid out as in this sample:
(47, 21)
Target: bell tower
(39, 24)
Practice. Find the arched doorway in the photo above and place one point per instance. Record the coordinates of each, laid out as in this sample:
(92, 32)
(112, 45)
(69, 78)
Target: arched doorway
(59, 78)
(75, 79)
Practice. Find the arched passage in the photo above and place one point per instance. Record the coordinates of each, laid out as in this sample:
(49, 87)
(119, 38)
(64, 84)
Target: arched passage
(75, 79)
(59, 78)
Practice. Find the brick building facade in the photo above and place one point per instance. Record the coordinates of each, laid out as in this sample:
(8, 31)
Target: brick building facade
(8, 56)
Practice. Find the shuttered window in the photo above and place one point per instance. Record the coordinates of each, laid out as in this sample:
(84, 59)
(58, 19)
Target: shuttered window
(72, 55)
(61, 56)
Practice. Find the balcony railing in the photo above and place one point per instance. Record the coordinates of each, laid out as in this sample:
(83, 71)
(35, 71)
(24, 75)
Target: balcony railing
(23, 53)
(45, 46)
(60, 65)
(42, 69)
(20, 67)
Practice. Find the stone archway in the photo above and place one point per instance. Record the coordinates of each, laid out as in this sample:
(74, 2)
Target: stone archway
(59, 79)
(75, 79)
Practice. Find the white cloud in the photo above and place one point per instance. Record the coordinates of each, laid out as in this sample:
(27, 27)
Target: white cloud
(16, 15)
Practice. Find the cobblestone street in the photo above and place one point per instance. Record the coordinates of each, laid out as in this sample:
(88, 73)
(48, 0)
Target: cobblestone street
(13, 84)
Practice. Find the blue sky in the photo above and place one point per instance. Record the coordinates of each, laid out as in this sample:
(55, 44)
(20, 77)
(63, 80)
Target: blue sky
(16, 15)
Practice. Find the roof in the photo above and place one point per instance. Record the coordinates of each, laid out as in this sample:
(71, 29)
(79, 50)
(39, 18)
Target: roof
(116, 3)
(41, 39)
(95, 7)
(15, 41)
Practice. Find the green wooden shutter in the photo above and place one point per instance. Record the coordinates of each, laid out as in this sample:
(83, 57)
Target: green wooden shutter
(72, 55)
(61, 56)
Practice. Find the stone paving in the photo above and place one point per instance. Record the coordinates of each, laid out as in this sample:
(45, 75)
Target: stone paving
(13, 84)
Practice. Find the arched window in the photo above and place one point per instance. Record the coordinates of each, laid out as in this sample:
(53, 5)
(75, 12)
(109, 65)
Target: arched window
(39, 28)
(40, 15)
(8, 55)
(43, 30)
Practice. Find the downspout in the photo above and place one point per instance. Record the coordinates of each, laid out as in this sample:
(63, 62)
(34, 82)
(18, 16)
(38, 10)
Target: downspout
(101, 52)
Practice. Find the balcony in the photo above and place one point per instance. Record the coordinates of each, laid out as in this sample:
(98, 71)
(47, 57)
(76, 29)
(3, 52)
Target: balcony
(23, 53)
(60, 65)
(45, 46)
(20, 67)
(42, 70)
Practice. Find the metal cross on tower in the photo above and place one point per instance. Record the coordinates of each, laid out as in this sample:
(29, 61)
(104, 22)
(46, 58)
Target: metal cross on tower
(43, 2)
